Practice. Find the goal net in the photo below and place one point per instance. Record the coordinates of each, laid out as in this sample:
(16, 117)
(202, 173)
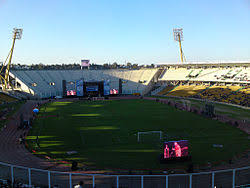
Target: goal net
(149, 136)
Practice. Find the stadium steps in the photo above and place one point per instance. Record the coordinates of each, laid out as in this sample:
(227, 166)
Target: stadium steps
(238, 73)
(162, 73)
(171, 88)
(229, 72)
(157, 90)
(177, 85)
(165, 90)
(208, 73)
(200, 72)
(195, 74)
(189, 73)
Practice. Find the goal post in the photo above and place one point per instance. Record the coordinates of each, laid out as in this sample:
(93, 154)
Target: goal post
(139, 134)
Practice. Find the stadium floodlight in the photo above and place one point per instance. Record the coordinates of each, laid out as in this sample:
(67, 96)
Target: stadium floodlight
(178, 36)
(5, 82)
(17, 33)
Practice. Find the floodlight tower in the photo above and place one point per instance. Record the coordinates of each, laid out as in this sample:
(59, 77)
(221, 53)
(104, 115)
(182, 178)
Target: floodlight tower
(178, 36)
(17, 34)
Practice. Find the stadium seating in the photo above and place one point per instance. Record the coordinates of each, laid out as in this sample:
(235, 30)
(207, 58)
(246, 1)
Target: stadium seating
(46, 83)
(215, 74)
(166, 90)
(229, 94)
(214, 82)
(219, 83)
(186, 90)
(175, 74)
(216, 93)
(240, 95)
(182, 90)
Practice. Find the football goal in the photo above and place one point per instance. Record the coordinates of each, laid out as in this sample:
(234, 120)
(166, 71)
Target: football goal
(149, 136)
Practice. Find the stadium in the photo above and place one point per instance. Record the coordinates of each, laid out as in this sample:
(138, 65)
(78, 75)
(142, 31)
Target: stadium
(164, 125)
(108, 139)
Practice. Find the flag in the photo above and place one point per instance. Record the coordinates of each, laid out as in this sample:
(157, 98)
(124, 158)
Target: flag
(85, 63)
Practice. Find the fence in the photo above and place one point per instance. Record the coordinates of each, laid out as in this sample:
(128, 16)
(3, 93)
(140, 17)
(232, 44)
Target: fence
(239, 177)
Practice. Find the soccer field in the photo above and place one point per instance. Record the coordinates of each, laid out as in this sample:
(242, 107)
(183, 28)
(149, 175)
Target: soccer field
(104, 134)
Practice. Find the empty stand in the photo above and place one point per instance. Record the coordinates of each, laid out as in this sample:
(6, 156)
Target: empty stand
(186, 90)
(215, 74)
(134, 81)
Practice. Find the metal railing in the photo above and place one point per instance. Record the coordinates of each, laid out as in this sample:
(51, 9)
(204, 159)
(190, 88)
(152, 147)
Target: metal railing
(44, 178)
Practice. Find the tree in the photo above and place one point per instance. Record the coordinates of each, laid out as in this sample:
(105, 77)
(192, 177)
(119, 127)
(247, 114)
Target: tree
(40, 66)
(114, 65)
(129, 65)
(135, 66)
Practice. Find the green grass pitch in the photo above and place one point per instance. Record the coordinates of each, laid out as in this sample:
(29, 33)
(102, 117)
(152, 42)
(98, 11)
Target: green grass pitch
(104, 134)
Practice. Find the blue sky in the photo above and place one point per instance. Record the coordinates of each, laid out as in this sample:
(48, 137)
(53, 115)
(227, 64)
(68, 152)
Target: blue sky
(138, 31)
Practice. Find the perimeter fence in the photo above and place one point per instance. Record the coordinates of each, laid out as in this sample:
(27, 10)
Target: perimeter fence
(239, 177)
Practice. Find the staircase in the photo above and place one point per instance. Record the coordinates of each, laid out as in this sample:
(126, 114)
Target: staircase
(157, 90)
